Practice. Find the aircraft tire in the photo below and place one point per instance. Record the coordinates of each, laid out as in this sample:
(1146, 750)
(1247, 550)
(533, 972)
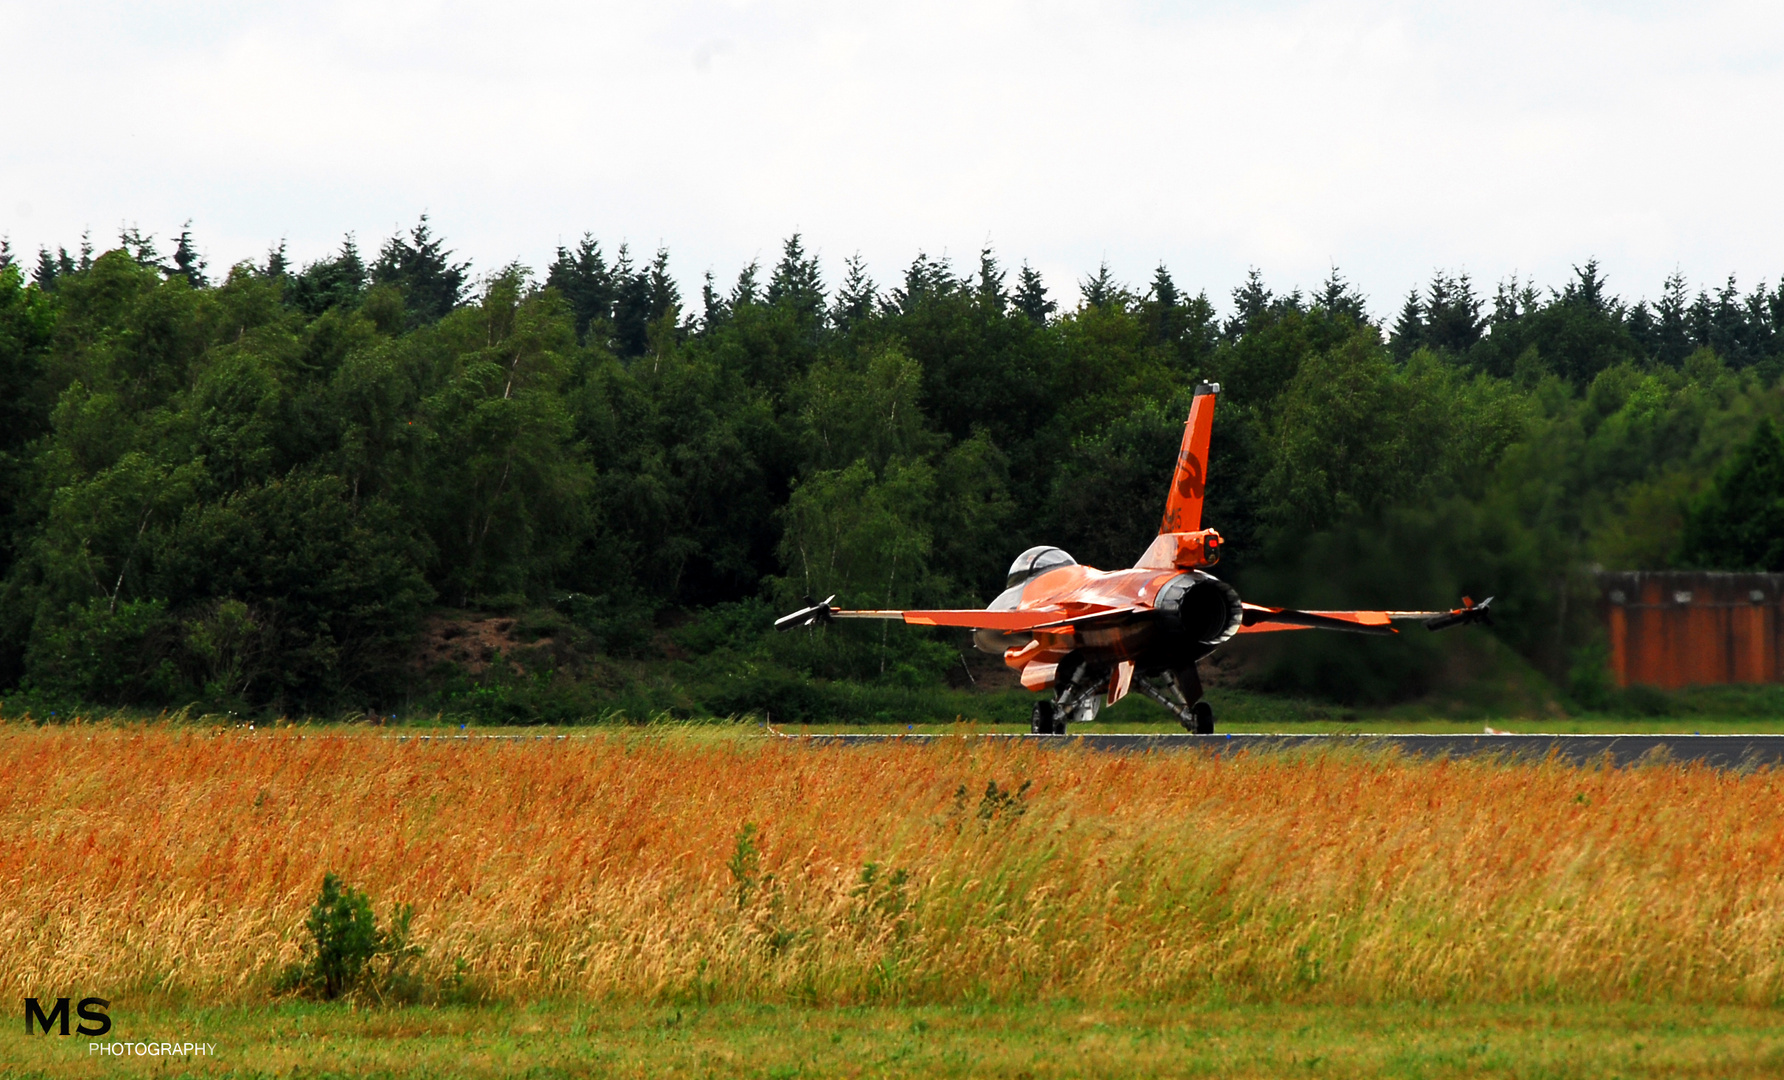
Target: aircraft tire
(1204, 716)
(1042, 720)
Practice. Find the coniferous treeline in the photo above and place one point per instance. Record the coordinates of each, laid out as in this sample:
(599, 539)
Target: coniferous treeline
(249, 491)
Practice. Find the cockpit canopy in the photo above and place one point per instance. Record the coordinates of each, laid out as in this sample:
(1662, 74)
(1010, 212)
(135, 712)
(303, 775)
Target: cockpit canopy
(1035, 561)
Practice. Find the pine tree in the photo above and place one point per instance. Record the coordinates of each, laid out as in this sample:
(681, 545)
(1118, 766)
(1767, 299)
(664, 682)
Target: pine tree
(1409, 329)
(1452, 319)
(50, 268)
(1774, 316)
(1251, 302)
(1031, 296)
(336, 282)
(1101, 291)
(276, 263)
(186, 262)
(1700, 318)
(1642, 323)
(796, 282)
(1587, 288)
(1728, 327)
(1512, 301)
(855, 298)
(421, 266)
(1187, 325)
(991, 295)
(665, 295)
(746, 291)
(139, 247)
(1160, 313)
(1338, 297)
(716, 312)
(1670, 338)
(631, 306)
(5, 252)
(583, 279)
(924, 279)
(1760, 334)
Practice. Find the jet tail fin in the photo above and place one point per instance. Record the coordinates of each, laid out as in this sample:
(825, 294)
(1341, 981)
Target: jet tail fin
(1183, 504)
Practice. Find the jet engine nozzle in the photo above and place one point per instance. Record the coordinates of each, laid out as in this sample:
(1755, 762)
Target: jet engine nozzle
(1201, 606)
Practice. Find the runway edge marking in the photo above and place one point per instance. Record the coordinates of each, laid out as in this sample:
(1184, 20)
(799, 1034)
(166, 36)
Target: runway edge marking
(1721, 751)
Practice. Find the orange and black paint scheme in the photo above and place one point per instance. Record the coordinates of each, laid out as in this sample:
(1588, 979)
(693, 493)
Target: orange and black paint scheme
(1092, 636)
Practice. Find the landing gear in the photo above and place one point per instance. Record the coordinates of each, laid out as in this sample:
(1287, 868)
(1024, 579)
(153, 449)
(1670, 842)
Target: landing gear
(1045, 720)
(1184, 700)
(1077, 693)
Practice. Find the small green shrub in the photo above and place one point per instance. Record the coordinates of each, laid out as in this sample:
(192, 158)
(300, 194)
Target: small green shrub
(1004, 803)
(345, 941)
(745, 864)
(997, 804)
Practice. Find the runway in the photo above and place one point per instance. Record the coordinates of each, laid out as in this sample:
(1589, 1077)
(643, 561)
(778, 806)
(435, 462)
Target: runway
(1720, 751)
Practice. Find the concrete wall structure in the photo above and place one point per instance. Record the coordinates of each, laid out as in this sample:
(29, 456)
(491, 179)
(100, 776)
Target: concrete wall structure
(1685, 628)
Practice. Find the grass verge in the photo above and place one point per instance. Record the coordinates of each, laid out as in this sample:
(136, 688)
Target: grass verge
(1031, 1041)
(1709, 710)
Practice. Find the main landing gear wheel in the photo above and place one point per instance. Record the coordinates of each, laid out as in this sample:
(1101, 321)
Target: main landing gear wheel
(1045, 720)
(1197, 719)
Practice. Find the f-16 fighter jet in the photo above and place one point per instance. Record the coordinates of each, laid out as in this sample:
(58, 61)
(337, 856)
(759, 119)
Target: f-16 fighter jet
(1091, 636)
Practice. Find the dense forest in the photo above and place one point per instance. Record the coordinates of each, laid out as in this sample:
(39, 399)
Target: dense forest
(265, 490)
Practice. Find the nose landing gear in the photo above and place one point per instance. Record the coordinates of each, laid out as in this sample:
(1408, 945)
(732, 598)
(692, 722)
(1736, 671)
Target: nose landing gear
(1045, 720)
(1077, 696)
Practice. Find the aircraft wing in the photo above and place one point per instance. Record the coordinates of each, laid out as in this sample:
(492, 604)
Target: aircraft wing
(1047, 618)
(1256, 619)
(1259, 619)
(972, 618)
(1052, 618)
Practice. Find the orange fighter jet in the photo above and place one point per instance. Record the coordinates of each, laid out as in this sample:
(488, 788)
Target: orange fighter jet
(1091, 636)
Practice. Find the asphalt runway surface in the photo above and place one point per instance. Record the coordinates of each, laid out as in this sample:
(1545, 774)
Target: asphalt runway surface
(1719, 751)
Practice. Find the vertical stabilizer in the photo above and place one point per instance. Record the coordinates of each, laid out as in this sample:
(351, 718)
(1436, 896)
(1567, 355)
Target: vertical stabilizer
(1183, 505)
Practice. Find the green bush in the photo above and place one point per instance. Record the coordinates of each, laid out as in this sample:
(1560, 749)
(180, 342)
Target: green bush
(345, 943)
(117, 653)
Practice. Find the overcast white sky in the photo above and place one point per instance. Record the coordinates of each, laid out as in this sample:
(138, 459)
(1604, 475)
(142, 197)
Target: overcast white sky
(1388, 138)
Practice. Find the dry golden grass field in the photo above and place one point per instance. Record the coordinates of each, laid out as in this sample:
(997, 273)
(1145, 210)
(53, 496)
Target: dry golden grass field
(179, 864)
(650, 872)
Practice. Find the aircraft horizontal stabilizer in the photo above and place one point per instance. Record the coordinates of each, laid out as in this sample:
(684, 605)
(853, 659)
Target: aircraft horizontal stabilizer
(1259, 619)
(1355, 622)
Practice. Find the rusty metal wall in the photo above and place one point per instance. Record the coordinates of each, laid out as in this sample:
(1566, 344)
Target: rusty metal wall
(1685, 628)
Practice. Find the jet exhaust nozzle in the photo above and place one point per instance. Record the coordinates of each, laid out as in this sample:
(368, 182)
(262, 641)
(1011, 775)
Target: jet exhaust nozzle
(1201, 606)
